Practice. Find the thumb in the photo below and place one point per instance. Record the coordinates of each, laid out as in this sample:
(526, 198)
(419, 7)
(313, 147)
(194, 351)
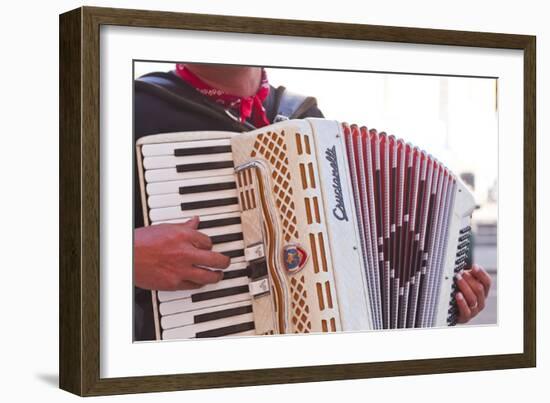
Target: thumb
(193, 223)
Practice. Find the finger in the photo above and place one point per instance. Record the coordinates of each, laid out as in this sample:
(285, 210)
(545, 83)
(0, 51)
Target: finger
(188, 285)
(192, 223)
(202, 276)
(209, 259)
(478, 290)
(484, 277)
(200, 240)
(464, 312)
(176, 280)
(467, 291)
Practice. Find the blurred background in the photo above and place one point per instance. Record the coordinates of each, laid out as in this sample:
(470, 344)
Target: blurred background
(453, 118)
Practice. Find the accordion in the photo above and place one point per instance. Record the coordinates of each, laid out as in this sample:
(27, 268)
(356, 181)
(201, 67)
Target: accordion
(329, 227)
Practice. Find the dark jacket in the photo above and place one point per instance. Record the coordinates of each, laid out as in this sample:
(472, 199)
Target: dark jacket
(165, 103)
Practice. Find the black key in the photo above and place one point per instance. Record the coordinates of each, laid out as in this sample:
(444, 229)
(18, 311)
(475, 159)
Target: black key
(211, 187)
(228, 275)
(224, 331)
(216, 239)
(258, 269)
(226, 313)
(465, 229)
(209, 203)
(234, 253)
(224, 292)
(462, 252)
(185, 152)
(204, 166)
(222, 222)
(463, 244)
(463, 237)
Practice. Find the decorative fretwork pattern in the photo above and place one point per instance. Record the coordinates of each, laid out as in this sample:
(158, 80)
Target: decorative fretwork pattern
(272, 147)
(247, 198)
(300, 309)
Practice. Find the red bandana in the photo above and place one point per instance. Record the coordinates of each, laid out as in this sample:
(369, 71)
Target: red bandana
(244, 106)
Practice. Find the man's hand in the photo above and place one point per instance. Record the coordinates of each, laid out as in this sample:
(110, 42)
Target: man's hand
(166, 257)
(474, 285)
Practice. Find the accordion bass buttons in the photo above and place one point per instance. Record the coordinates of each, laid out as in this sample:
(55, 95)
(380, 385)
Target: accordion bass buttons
(462, 253)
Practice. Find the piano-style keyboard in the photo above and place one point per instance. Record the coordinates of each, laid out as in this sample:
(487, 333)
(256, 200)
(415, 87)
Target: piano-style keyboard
(195, 178)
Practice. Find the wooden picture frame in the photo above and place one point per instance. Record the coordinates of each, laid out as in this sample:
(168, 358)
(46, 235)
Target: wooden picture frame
(80, 200)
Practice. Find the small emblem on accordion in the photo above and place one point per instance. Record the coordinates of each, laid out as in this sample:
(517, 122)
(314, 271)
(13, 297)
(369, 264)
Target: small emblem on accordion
(294, 257)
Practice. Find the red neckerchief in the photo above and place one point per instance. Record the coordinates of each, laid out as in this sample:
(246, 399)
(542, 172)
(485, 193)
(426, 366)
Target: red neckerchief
(245, 106)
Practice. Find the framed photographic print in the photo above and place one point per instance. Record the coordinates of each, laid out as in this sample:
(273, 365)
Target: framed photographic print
(344, 201)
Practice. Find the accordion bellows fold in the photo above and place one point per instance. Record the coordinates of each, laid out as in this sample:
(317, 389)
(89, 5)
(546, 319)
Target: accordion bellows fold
(329, 226)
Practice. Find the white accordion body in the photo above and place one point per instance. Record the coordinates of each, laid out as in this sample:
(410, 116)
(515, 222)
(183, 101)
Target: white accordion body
(329, 228)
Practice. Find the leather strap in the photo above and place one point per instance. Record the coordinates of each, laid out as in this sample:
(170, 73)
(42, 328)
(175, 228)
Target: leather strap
(291, 105)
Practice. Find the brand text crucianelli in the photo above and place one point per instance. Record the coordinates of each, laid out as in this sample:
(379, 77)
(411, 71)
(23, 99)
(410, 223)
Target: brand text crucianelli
(339, 211)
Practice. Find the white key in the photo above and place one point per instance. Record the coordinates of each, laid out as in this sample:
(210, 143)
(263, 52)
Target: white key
(174, 186)
(202, 218)
(191, 331)
(228, 246)
(254, 252)
(188, 318)
(174, 199)
(258, 287)
(169, 161)
(228, 229)
(186, 305)
(166, 296)
(168, 148)
(170, 174)
(170, 213)
(238, 259)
